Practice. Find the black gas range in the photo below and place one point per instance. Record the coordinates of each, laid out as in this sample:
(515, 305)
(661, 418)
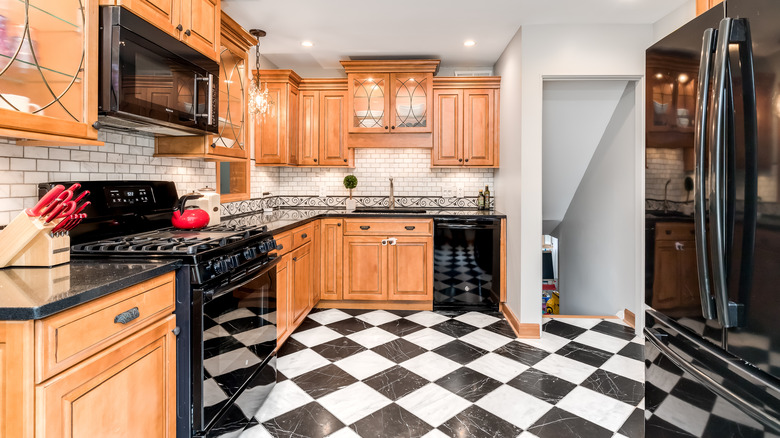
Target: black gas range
(225, 298)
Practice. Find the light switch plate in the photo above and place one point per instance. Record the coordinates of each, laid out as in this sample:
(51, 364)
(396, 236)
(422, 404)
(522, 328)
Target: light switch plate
(460, 190)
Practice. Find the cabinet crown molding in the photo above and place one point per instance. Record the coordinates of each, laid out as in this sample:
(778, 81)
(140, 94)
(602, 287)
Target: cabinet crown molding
(391, 66)
(322, 84)
(467, 82)
(235, 33)
(279, 76)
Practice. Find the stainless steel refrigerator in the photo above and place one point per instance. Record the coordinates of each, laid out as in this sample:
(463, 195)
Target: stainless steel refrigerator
(712, 226)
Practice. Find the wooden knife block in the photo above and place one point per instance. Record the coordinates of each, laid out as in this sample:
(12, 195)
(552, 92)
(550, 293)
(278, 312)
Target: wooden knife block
(26, 242)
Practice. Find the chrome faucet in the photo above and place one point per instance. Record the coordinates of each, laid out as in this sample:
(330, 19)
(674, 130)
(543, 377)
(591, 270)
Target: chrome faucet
(666, 202)
(392, 198)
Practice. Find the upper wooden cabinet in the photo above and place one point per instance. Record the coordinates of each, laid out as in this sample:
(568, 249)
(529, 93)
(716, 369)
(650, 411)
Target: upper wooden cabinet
(703, 6)
(49, 78)
(195, 22)
(276, 132)
(466, 122)
(390, 96)
(323, 124)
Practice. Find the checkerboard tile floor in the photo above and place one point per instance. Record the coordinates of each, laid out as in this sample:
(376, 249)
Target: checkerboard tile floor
(363, 373)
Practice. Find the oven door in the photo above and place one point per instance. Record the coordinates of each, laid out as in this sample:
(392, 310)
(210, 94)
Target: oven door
(238, 326)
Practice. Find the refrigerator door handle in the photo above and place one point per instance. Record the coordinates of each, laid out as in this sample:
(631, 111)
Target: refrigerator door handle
(717, 177)
(658, 339)
(699, 198)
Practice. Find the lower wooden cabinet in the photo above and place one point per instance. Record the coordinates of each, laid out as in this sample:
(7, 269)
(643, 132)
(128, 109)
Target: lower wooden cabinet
(302, 276)
(296, 277)
(410, 269)
(675, 278)
(331, 242)
(365, 272)
(282, 294)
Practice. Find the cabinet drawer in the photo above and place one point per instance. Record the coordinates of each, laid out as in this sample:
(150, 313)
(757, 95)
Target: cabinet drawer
(286, 241)
(674, 231)
(417, 227)
(64, 339)
(302, 235)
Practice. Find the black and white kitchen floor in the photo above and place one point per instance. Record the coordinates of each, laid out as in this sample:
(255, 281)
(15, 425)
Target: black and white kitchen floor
(350, 373)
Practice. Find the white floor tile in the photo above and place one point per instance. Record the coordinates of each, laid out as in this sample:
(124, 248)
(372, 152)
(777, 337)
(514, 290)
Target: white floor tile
(344, 433)
(230, 361)
(497, 367)
(427, 318)
(378, 317)
(428, 338)
(601, 341)
(353, 402)
(300, 362)
(329, 316)
(477, 319)
(514, 406)
(256, 432)
(527, 434)
(364, 364)
(241, 312)
(285, 397)
(596, 408)
(433, 404)
(568, 369)
(485, 339)
(315, 336)
(430, 366)
(435, 433)
(586, 323)
(726, 410)
(372, 337)
(548, 342)
(626, 367)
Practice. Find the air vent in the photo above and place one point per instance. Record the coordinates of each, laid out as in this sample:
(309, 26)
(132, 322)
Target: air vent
(473, 73)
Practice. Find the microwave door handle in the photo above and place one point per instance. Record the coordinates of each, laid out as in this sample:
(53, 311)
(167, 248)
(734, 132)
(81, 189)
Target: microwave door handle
(195, 98)
(209, 90)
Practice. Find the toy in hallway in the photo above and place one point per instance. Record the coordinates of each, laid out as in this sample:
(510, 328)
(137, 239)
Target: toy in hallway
(552, 304)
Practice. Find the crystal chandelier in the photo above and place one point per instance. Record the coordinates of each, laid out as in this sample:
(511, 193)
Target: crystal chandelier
(259, 100)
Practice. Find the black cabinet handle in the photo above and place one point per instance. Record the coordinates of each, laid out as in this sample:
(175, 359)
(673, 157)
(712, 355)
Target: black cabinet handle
(386, 127)
(295, 259)
(392, 127)
(187, 32)
(304, 235)
(338, 224)
(460, 160)
(467, 160)
(176, 331)
(127, 316)
(345, 160)
(364, 227)
(279, 247)
(409, 227)
(315, 160)
(179, 28)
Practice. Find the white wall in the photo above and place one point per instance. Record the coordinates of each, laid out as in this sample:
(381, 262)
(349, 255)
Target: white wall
(546, 51)
(674, 20)
(596, 238)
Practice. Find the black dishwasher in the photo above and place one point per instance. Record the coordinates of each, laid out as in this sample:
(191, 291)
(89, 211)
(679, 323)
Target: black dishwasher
(466, 263)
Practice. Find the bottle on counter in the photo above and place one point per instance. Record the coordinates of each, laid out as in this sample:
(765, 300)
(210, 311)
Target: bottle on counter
(487, 198)
(480, 201)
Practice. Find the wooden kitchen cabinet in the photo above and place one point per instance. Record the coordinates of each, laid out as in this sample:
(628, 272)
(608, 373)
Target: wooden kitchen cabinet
(365, 268)
(276, 132)
(50, 98)
(282, 299)
(195, 22)
(323, 125)
(410, 269)
(331, 273)
(675, 279)
(297, 277)
(703, 6)
(466, 122)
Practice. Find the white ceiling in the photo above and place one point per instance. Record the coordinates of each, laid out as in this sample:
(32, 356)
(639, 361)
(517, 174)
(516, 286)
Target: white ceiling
(416, 28)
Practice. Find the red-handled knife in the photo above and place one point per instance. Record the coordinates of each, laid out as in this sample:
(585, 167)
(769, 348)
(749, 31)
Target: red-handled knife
(83, 195)
(47, 199)
(79, 218)
(82, 207)
(54, 212)
(62, 226)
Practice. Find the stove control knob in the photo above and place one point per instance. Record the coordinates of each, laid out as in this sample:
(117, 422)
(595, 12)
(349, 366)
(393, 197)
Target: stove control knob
(218, 268)
(249, 253)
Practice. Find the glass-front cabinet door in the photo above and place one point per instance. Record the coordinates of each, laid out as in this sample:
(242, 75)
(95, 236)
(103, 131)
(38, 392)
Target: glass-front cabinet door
(232, 103)
(48, 66)
(370, 101)
(412, 102)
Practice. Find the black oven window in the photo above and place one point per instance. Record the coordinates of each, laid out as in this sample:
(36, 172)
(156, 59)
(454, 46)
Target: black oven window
(239, 334)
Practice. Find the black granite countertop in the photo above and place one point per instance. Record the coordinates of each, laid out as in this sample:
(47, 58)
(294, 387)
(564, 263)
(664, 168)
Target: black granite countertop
(284, 219)
(35, 293)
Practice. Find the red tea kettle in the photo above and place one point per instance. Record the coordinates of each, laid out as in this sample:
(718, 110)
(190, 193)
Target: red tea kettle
(189, 218)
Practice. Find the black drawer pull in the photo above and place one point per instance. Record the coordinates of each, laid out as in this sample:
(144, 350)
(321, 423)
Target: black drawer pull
(295, 259)
(364, 227)
(668, 231)
(127, 316)
(304, 235)
(345, 160)
(409, 227)
(338, 224)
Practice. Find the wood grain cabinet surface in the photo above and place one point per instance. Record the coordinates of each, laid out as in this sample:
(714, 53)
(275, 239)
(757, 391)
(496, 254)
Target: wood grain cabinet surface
(276, 132)
(675, 279)
(323, 124)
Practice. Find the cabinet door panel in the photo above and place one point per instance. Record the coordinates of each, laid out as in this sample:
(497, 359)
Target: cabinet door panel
(411, 102)
(272, 129)
(478, 127)
(333, 129)
(666, 277)
(689, 277)
(365, 261)
(302, 284)
(448, 128)
(331, 260)
(310, 128)
(409, 269)
(163, 14)
(282, 298)
(293, 123)
(128, 390)
(369, 103)
(201, 18)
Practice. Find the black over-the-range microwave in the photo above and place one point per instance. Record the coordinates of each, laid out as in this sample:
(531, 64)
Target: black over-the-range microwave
(151, 81)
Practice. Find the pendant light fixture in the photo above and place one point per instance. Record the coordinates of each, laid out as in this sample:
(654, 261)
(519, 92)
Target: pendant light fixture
(258, 97)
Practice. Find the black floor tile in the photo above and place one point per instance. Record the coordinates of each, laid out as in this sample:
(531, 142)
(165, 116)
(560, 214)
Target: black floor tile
(542, 385)
(307, 324)
(615, 386)
(324, 380)
(721, 427)
(475, 422)
(348, 326)
(290, 346)
(356, 312)
(558, 423)
(617, 330)
(454, 328)
(401, 327)
(311, 420)
(584, 353)
(396, 382)
(399, 350)
(338, 349)
(656, 427)
(502, 328)
(391, 421)
(403, 313)
(525, 354)
(460, 351)
(634, 425)
(468, 384)
(560, 328)
(634, 351)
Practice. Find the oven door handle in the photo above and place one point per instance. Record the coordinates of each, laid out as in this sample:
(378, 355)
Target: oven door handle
(251, 274)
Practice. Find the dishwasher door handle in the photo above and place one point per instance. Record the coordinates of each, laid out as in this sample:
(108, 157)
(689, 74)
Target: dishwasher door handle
(467, 226)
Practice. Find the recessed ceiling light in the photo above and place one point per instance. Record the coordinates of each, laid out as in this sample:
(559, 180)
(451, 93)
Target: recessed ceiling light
(307, 43)
(469, 43)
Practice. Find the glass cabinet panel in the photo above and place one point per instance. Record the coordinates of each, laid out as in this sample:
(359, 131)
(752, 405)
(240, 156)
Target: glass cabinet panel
(42, 57)
(369, 99)
(410, 107)
(231, 100)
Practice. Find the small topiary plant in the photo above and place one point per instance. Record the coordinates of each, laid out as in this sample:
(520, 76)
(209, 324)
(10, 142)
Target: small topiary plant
(350, 182)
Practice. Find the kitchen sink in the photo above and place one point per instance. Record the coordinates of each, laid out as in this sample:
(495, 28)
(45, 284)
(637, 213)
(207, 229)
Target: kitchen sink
(383, 210)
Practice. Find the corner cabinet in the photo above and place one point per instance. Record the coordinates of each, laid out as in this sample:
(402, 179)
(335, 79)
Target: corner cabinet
(323, 124)
(466, 122)
(276, 131)
(194, 22)
(49, 62)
